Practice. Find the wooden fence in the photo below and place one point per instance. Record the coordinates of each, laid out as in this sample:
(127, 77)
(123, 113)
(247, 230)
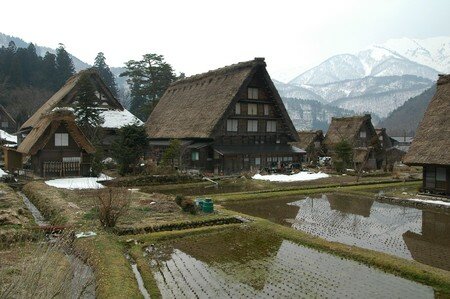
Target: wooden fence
(61, 168)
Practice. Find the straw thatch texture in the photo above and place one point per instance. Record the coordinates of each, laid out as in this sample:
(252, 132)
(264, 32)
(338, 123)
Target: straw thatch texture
(60, 95)
(307, 138)
(432, 142)
(43, 131)
(194, 107)
(345, 128)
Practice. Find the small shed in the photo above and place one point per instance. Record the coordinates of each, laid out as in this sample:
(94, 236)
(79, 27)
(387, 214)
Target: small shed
(57, 146)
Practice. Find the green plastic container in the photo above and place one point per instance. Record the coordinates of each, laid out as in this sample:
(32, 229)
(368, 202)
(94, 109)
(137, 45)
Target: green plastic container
(199, 202)
(208, 205)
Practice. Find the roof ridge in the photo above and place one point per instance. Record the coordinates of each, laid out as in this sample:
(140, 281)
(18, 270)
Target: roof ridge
(222, 70)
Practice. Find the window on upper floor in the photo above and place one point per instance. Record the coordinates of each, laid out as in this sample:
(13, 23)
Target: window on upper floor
(252, 109)
(232, 125)
(266, 109)
(61, 139)
(362, 134)
(271, 126)
(195, 156)
(252, 126)
(252, 93)
(237, 109)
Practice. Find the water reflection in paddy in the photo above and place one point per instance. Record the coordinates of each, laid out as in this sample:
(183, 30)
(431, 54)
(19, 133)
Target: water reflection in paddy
(253, 264)
(422, 235)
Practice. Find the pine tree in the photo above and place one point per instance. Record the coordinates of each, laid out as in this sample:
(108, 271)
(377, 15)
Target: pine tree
(87, 114)
(129, 147)
(64, 66)
(105, 73)
(149, 79)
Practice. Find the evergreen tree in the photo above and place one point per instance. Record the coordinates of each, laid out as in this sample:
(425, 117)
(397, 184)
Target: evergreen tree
(49, 72)
(129, 147)
(149, 79)
(105, 73)
(344, 153)
(64, 66)
(86, 111)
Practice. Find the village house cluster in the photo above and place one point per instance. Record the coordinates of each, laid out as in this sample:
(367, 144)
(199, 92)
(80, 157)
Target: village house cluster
(229, 120)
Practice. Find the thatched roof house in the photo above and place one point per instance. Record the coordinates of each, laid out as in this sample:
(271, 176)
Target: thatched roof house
(235, 110)
(7, 122)
(114, 114)
(430, 147)
(312, 143)
(57, 146)
(359, 132)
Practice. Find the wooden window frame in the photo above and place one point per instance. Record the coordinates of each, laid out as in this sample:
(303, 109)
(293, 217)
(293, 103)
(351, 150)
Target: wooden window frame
(254, 125)
(61, 139)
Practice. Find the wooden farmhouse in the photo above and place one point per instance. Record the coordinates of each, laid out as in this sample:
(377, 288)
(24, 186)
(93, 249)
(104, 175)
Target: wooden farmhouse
(7, 122)
(359, 132)
(114, 114)
(391, 153)
(312, 143)
(430, 147)
(230, 120)
(57, 147)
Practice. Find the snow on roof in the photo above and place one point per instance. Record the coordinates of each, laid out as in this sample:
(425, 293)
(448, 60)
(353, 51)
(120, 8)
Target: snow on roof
(117, 119)
(8, 137)
(79, 183)
(113, 119)
(301, 176)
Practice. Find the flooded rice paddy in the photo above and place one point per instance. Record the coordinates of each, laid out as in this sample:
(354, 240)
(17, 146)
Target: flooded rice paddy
(243, 262)
(422, 235)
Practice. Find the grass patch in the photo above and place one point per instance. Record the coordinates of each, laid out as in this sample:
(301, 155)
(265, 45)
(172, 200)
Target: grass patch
(113, 274)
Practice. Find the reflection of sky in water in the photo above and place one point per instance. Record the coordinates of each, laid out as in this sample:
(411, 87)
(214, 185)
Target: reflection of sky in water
(290, 272)
(382, 231)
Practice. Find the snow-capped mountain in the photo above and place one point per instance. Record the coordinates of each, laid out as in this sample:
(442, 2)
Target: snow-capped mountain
(377, 79)
(433, 52)
(376, 61)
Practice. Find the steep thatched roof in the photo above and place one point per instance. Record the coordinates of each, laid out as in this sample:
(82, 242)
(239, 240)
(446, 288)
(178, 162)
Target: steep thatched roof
(11, 119)
(43, 132)
(306, 138)
(345, 128)
(360, 154)
(68, 90)
(432, 141)
(193, 107)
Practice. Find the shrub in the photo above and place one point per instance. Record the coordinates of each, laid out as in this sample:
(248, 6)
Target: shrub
(187, 205)
(112, 203)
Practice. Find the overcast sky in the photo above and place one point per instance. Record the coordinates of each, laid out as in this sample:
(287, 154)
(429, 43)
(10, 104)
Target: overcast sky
(195, 36)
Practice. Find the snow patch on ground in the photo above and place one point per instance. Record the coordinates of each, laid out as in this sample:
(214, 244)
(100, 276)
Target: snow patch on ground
(79, 183)
(2, 172)
(301, 176)
(118, 119)
(433, 202)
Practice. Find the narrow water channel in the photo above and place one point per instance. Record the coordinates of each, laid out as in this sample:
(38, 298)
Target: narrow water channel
(138, 277)
(83, 281)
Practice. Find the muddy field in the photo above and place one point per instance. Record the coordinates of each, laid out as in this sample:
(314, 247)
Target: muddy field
(248, 263)
(422, 235)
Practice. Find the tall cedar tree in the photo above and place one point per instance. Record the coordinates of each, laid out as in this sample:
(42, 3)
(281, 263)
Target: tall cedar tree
(129, 147)
(148, 80)
(64, 66)
(105, 73)
(86, 111)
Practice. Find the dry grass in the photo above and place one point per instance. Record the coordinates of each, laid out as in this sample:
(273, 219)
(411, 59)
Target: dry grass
(47, 270)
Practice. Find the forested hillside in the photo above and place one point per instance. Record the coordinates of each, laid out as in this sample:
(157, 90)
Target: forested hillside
(405, 119)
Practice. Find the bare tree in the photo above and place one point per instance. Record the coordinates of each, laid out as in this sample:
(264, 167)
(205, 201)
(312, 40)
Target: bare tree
(112, 203)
